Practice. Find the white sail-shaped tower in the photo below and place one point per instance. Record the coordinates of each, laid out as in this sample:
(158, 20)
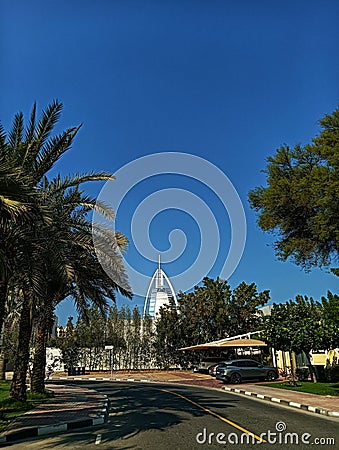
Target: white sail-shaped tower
(159, 293)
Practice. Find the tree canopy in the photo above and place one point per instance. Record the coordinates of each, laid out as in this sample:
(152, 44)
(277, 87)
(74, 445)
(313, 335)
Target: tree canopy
(212, 311)
(303, 325)
(300, 204)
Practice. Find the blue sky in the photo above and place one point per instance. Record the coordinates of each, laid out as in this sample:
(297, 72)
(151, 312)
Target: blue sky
(226, 81)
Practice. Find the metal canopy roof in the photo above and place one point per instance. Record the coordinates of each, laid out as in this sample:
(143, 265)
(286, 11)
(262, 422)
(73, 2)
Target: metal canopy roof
(227, 343)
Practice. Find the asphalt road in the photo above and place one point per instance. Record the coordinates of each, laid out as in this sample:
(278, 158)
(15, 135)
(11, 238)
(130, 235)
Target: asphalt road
(168, 417)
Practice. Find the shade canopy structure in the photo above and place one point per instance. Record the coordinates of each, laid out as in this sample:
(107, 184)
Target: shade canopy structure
(227, 343)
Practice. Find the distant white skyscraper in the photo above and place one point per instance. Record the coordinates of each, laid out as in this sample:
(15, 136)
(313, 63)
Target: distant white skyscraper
(160, 292)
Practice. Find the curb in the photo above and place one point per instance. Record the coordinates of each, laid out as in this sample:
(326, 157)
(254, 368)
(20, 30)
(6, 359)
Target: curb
(99, 379)
(102, 415)
(135, 380)
(313, 409)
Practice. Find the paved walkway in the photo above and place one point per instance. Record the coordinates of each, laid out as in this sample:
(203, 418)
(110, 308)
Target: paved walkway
(74, 406)
(71, 407)
(326, 405)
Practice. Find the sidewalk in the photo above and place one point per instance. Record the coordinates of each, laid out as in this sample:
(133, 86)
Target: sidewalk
(71, 407)
(75, 406)
(320, 404)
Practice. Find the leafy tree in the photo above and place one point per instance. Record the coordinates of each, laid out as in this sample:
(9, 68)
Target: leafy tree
(211, 312)
(126, 317)
(243, 311)
(302, 325)
(116, 334)
(135, 344)
(204, 312)
(147, 352)
(300, 204)
(168, 337)
(69, 346)
(330, 316)
(91, 338)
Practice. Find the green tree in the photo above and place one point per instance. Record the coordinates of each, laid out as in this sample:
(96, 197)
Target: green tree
(91, 338)
(243, 310)
(136, 338)
(147, 352)
(69, 346)
(168, 337)
(301, 326)
(300, 203)
(211, 312)
(205, 312)
(126, 317)
(115, 335)
(330, 317)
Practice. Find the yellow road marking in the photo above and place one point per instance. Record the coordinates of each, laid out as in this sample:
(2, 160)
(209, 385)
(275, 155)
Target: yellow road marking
(215, 415)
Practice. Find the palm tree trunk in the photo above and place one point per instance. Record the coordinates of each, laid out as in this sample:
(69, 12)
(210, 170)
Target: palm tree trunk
(44, 326)
(18, 386)
(3, 363)
(3, 299)
(39, 362)
(3, 354)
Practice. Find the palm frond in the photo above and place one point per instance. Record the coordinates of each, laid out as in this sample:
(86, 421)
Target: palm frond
(15, 190)
(122, 241)
(52, 150)
(30, 130)
(99, 206)
(15, 136)
(13, 207)
(83, 240)
(61, 184)
(3, 144)
(49, 118)
(74, 198)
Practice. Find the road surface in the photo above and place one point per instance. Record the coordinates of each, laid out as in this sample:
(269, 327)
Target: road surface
(168, 417)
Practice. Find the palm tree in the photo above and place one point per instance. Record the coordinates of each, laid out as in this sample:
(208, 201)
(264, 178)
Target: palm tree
(27, 154)
(87, 281)
(33, 152)
(16, 210)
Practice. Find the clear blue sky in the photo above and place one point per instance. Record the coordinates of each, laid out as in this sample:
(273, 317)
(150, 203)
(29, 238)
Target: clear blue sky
(227, 81)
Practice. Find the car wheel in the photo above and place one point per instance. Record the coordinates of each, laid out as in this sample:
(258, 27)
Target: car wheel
(235, 378)
(271, 375)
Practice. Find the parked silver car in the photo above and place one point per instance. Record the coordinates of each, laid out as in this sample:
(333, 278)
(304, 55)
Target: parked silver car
(208, 362)
(244, 369)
